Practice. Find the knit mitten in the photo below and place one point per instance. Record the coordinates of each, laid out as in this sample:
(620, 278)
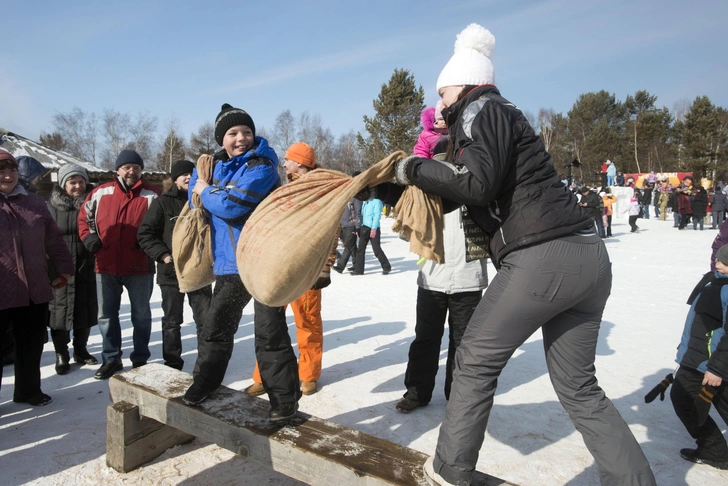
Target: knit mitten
(659, 390)
(702, 403)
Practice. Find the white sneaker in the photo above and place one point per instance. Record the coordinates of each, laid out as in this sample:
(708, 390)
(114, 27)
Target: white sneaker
(432, 477)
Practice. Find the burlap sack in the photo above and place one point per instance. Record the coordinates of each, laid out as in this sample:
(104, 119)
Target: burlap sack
(287, 239)
(192, 240)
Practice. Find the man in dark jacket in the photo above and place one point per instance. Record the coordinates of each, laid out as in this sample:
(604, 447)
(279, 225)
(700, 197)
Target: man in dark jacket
(107, 225)
(350, 224)
(718, 205)
(155, 238)
(594, 207)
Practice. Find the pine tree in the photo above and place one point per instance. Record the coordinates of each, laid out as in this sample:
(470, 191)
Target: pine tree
(596, 132)
(704, 133)
(53, 141)
(396, 123)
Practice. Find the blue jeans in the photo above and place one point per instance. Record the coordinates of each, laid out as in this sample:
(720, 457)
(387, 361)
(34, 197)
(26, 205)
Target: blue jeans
(108, 291)
(610, 180)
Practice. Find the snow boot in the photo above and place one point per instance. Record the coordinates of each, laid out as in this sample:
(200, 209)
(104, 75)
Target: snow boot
(62, 364)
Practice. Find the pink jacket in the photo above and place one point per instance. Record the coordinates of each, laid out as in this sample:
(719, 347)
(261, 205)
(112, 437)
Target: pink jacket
(427, 140)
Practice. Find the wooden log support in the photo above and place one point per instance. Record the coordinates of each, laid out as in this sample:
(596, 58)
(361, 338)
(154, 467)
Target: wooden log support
(132, 441)
(309, 449)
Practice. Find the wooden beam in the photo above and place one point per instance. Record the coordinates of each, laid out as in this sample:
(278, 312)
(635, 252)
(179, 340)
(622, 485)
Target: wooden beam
(309, 449)
(132, 441)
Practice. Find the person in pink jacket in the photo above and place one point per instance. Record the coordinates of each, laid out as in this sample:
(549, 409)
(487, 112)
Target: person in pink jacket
(433, 130)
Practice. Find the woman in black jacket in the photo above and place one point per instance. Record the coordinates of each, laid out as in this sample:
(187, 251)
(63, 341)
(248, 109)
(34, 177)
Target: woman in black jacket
(74, 307)
(554, 272)
(700, 207)
(155, 238)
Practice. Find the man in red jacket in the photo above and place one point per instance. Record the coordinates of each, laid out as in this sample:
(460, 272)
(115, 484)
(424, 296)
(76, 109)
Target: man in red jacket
(107, 224)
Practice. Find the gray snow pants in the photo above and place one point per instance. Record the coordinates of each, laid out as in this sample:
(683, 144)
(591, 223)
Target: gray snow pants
(560, 286)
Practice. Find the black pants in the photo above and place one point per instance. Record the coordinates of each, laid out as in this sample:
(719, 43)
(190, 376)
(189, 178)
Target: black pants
(29, 331)
(61, 338)
(173, 302)
(376, 246)
(684, 220)
(424, 354)
(348, 235)
(633, 223)
(683, 392)
(216, 338)
(609, 225)
(276, 360)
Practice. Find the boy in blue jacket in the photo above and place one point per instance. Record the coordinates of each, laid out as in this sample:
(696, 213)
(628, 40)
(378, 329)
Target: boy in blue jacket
(244, 175)
(703, 358)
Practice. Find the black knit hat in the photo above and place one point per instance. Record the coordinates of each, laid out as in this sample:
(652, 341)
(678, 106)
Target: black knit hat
(181, 167)
(128, 157)
(230, 117)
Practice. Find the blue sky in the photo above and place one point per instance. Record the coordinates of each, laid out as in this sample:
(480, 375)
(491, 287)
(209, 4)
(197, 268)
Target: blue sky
(186, 58)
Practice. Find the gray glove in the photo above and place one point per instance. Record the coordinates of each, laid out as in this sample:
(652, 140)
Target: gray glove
(400, 170)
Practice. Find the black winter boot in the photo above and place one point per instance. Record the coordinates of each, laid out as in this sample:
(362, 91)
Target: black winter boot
(62, 363)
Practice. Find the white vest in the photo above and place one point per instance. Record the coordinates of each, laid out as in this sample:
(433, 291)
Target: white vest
(454, 275)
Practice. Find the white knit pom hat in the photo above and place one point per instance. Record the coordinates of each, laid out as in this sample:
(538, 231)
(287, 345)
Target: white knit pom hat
(470, 64)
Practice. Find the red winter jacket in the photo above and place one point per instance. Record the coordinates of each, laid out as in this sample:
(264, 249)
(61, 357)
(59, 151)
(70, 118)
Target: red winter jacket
(108, 223)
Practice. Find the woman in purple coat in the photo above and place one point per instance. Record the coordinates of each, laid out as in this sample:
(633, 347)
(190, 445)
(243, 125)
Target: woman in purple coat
(29, 237)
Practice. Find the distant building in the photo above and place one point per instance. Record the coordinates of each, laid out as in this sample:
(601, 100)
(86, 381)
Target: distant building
(54, 159)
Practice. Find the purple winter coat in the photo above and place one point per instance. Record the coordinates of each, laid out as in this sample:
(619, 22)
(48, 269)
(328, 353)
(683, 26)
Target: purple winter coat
(28, 235)
(720, 240)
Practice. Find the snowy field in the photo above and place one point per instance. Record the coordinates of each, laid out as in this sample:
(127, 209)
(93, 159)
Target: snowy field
(369, 323)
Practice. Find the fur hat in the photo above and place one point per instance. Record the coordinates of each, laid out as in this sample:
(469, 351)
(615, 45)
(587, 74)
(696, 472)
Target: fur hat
(69, 170)
(181, 167)
(229, 117)
(128, 157)
(302, 153)
(470, 64)
(722, 255)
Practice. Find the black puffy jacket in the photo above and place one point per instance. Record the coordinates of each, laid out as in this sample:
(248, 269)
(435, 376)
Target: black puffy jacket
(502, 173)
(155, 232)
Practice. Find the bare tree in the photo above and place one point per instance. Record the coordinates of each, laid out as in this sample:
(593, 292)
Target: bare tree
(546, 127)
(115, 127)
(173, 146)
(79, 130)
(347, 154)
(284, 132)
(142, 133)
(203, 141)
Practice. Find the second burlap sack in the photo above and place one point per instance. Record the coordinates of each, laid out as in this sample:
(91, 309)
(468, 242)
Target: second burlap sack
(287, 239)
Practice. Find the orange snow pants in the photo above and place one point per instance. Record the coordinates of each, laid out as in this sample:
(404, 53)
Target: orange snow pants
(309, 334)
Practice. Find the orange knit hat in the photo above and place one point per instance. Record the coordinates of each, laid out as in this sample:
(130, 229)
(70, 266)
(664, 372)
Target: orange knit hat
(302, 153)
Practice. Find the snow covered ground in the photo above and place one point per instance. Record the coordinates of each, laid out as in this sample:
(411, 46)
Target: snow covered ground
(369, 323)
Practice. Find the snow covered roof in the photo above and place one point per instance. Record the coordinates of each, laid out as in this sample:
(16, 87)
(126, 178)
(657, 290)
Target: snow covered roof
(51, 159)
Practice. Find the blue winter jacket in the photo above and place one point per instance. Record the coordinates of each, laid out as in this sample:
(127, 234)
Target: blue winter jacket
(697, 350)
(371, 211)
(238, 185)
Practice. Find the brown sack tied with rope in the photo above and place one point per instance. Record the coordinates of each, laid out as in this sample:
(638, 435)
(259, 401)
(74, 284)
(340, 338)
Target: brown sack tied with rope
(285, 243)
(192, 240)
